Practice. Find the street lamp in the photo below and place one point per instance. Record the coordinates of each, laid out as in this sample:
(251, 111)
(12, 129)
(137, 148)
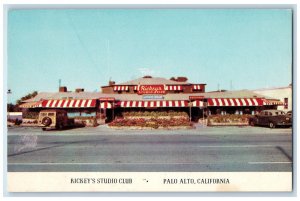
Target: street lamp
(8, 93)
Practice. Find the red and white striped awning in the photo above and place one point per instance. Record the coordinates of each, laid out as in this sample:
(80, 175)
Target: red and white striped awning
(235, 102)
(105, 105)
(197, 103)
(272, 102)
(173, 88)
(120, 88)
(135, 88)
(197, 87)
(31, 104)
(78, 103)
(154, 104)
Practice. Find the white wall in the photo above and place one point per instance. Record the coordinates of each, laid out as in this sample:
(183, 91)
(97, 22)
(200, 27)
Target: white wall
(278, 93)
(14, 115)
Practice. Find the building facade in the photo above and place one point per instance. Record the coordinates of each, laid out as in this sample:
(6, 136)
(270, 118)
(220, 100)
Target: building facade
(284, 94)
(152, 94)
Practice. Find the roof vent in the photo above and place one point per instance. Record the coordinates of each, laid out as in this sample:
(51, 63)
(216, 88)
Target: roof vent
(147, 76)
(79, 90)
(179, 79)
(111, 83)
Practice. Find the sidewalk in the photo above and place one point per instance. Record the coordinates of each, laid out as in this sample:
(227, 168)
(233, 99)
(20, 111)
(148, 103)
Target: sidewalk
(105, 130)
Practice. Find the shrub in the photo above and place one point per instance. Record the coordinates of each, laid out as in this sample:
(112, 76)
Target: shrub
(229, 118)
(153, 122)
(155, 114)
(30, 115)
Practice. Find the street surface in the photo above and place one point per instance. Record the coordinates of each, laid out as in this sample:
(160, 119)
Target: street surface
(101, 149)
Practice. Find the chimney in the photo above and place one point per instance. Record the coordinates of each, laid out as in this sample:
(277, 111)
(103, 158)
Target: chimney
(181, 79)
(111, 83)
(63, 89)
(79, 90)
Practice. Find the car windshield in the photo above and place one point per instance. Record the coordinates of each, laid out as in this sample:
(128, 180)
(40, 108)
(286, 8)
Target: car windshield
(50, 114)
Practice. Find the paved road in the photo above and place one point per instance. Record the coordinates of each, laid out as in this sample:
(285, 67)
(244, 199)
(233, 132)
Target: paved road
(102, 149)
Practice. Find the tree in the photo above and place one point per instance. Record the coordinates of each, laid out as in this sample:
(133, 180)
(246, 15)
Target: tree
(26, 97)
(15, 107)
(11, 107)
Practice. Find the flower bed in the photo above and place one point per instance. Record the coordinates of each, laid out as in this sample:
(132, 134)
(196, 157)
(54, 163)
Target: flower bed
(227, 120)
(151, 123)
(150, 128)
(29, 122)
(155, 114)
(151, 117)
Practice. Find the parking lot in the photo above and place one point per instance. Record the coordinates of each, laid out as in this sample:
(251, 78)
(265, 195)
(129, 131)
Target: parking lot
(105, 149)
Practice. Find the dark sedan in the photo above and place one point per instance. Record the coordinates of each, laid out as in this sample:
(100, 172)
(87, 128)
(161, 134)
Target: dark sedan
(271, 118)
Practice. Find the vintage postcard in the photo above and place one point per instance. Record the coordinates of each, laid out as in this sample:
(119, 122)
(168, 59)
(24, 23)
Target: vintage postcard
(149, 100)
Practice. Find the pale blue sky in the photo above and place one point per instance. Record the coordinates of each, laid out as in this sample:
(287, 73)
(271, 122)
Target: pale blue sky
(252, 48)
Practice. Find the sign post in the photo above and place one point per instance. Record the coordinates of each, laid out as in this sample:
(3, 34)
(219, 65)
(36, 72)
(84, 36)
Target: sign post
(100, 111)
(202, 117)
(190, 108)
(113, 110)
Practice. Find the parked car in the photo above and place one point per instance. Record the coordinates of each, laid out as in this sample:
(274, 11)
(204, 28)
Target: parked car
(271, 118)
(54, 119)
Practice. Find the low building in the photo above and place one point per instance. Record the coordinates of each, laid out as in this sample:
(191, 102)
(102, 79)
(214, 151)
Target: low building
(284, 94)
(13, 116)
(152, 94)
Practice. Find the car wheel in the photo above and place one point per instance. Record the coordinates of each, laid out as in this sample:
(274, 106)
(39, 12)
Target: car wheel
(271, 125)
(46, 121)
(43, 129)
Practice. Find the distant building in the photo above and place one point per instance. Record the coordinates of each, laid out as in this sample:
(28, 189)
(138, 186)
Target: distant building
(14, 115)
(284, 94)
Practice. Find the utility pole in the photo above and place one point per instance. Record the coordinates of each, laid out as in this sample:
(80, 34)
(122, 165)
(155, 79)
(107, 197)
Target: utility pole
(108, 58)
(8, 94)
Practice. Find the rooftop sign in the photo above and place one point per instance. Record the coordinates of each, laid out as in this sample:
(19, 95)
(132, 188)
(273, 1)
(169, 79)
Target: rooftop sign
(154, 97)
(151, 89)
